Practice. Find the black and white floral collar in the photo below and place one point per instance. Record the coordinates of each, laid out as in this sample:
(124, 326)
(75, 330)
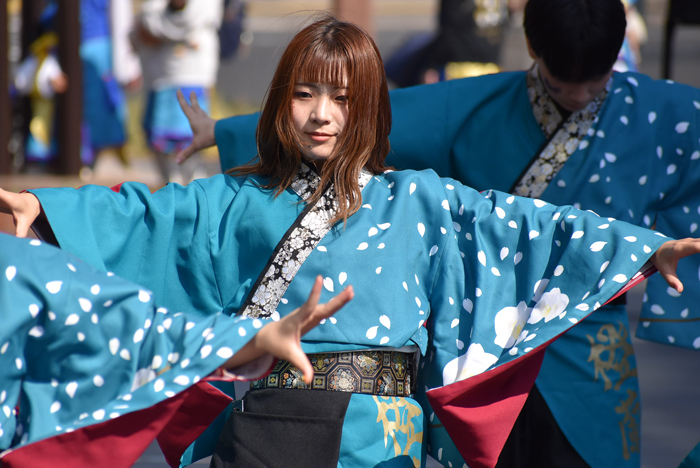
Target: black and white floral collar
(563, 136)
(296, 245)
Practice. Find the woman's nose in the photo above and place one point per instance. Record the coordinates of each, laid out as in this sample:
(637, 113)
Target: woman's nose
(321, 111)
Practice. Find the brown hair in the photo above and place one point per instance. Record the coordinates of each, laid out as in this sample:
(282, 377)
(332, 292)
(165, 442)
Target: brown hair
(339, 54)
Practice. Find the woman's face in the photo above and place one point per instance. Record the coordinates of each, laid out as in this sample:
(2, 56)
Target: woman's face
(319, 113)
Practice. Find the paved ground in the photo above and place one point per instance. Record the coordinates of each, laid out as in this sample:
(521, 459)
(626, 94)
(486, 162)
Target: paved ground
(669, 377)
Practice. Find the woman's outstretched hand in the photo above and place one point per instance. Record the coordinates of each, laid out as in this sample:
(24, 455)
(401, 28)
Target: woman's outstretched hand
(282, 339)
(665, 259)
(201, 124)
(24, 208)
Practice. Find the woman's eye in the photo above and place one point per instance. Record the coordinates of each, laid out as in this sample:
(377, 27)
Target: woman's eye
(301, 94)
(343, 99)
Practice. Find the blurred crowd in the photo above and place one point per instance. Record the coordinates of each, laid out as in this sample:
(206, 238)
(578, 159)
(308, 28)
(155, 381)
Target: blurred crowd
(148, 48)
(151, 48)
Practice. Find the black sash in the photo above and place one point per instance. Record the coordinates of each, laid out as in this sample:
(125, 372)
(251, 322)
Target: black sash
(283, 428)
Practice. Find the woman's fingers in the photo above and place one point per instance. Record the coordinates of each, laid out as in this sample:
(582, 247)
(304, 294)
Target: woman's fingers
(185, 153)
(183, 103)
(194, 102)
(666, 259)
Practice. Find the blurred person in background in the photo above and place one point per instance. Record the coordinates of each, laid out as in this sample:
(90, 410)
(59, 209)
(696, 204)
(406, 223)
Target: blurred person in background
(467, 43)
(178, 43)
(107, 63)
(636, 34)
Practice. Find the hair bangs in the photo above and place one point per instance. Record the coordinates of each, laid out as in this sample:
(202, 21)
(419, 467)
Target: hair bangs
(325, 65)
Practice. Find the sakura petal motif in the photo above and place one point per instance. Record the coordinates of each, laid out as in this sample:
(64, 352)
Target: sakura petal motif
(620, 279)
(71, 389)
(72, 319)
(342, 277)
(468, 305)
(682, 127)
(328, 284)
(504, 253)
(384, 320)
(10, 273)
(421, 229)
(372, 332)
(85, 304)
(598, 246)
(114, 345)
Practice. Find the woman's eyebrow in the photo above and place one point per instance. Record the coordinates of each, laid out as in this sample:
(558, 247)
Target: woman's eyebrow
(317, 86)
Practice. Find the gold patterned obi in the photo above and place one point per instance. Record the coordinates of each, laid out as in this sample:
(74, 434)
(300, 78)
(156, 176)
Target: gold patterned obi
(372, 372)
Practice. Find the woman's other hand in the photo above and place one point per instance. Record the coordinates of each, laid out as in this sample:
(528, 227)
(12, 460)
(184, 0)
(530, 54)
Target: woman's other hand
(24, 208)
(666, 259)
(202, 126)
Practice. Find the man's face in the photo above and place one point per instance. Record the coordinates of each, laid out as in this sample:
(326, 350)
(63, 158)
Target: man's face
(570, 96)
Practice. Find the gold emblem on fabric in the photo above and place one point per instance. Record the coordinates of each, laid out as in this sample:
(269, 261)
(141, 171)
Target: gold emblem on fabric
(396, 416)
(564, 137)
(610, 354)
(629, 427)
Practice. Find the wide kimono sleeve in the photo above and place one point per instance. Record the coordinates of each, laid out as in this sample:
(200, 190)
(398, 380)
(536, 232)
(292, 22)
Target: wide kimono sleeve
(668, 316)
(235, 138)
(92, 369)
(515, 274)
(160, 240)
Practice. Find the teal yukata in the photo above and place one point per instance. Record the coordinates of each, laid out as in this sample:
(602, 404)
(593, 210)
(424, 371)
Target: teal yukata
(633, 154)
(81, 347)
(473, 280)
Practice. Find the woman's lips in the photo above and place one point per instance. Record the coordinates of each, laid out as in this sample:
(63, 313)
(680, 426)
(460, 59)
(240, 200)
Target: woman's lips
(317, 136)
